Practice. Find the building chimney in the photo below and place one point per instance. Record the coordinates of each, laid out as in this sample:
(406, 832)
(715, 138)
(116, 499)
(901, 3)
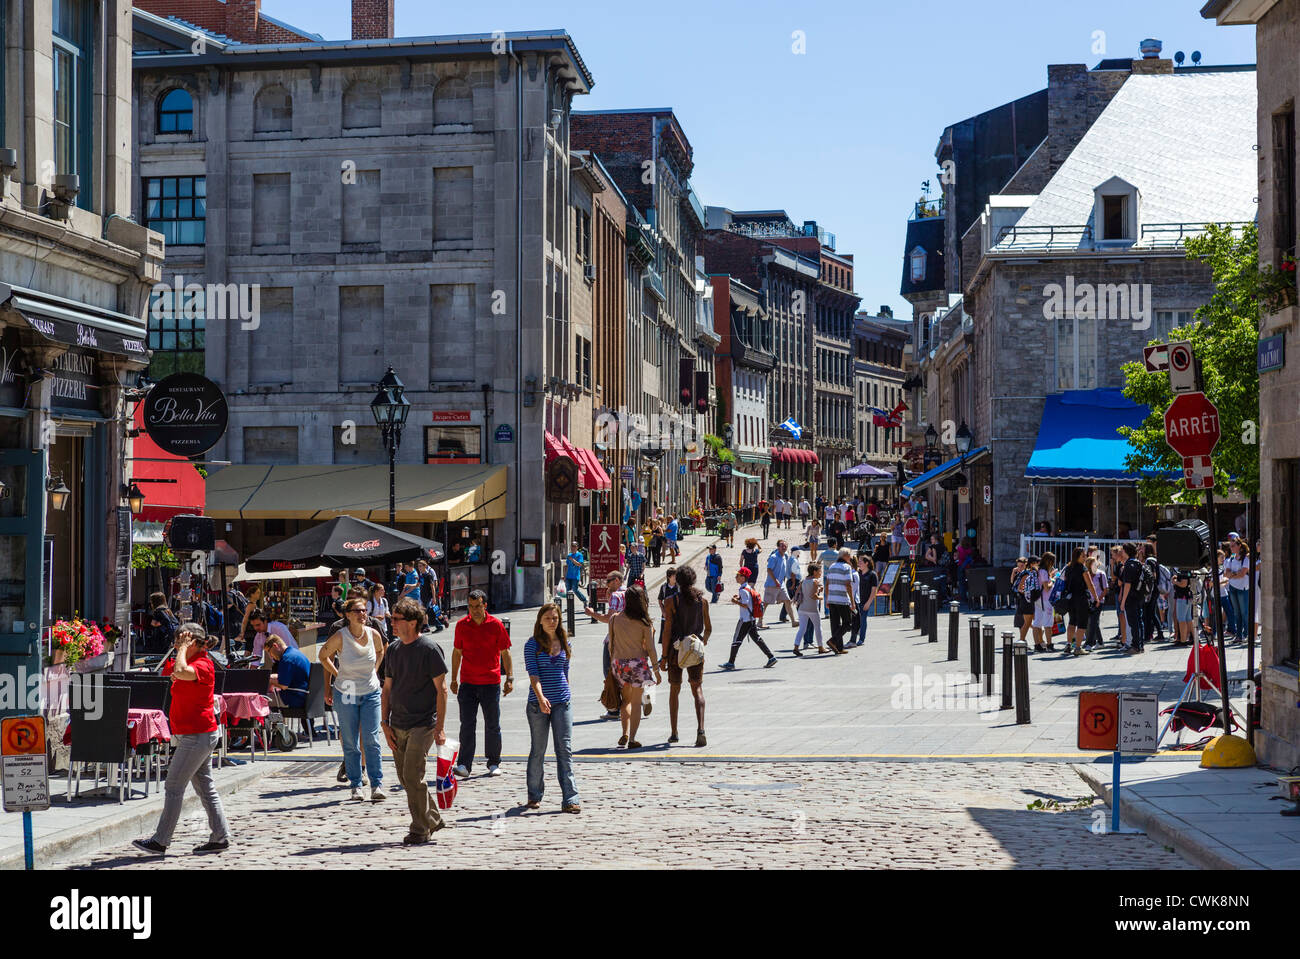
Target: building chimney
(887, 311)
(372, 19)
(241, 19)
(1151, 49)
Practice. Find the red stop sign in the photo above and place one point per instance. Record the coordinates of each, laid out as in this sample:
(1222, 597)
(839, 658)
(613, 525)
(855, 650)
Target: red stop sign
(912, 532)
(1192, 425)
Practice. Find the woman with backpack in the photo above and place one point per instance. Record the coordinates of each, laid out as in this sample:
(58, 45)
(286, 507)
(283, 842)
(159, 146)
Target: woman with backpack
(686, 614)
(1079, 597)
(1097, 573)
(631, 653)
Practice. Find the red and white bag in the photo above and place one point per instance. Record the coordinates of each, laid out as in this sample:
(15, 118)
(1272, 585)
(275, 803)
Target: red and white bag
(445, 780)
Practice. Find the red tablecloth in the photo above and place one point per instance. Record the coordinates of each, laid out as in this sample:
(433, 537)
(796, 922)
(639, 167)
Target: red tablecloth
(232, 707)
(142, 725)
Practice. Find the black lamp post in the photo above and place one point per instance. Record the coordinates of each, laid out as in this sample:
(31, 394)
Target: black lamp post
(963, 440)
(391, 408)
(931, 443)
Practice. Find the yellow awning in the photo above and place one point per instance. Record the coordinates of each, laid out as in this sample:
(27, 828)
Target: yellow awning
(426, 493)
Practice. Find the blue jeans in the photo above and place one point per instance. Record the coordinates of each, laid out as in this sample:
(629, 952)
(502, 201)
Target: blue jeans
(559, 724)
(359, 716)
(470, 698)
(710, 585)
(1239, 599)
(861, 634)
(574, 586)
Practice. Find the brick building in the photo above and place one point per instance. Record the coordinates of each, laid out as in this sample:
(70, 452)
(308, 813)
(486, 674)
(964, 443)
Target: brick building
(242, 21)
(393, 202)
(745, 364)
(879, 344)
(650, 159)
(1277, 30)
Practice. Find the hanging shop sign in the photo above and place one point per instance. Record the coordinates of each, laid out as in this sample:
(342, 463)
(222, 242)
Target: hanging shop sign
(561, 480)
(186, 414)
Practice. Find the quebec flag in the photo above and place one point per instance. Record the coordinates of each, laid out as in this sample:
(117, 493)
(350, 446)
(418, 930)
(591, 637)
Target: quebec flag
(795, 429)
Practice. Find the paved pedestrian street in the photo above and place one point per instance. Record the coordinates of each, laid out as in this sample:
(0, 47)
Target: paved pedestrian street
(774, 815)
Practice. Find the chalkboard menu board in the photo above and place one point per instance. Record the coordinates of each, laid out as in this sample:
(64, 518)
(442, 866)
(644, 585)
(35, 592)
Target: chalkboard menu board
(122, 571)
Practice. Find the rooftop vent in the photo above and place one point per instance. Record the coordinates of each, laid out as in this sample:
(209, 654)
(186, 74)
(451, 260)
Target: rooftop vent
(1151, 49)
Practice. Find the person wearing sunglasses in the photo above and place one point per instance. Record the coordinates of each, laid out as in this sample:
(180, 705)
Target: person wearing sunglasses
(360, 651)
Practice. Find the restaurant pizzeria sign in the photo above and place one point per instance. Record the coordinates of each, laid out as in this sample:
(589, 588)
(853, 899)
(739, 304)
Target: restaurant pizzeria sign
(186, 414)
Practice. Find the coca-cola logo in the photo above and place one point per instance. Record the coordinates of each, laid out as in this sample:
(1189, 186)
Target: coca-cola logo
(359, 547)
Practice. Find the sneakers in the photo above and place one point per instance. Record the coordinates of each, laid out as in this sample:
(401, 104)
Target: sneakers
(212, 846)
(728, 666)
(609, 714)
(460, 770)
(149, 846)
(342, 775)
(377, 794)
(770, 663)
(493, 770)
(414, 839)
(356, 794)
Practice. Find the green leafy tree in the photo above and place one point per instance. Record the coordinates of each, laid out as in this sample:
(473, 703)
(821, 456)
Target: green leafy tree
(1223, 334)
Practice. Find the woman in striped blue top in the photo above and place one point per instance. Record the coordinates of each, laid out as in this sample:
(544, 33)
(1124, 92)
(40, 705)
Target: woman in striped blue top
(549, 710)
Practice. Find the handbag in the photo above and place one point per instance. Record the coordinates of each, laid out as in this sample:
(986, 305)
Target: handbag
(611, 697)
(690, 651)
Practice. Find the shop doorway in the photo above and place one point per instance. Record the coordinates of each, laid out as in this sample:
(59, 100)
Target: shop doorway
(22, 521)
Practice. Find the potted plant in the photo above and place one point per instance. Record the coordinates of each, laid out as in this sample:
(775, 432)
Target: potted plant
(80, 645)
(1277, 285)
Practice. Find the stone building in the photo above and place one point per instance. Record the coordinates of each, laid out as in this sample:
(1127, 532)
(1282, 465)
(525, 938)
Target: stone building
(1277, 30)
(77, 273)
(382, 202)
(1066, 281)
(649, 157)
(745, 364)
(879, 344)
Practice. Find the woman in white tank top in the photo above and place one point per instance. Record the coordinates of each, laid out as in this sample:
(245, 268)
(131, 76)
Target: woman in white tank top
(360, 650)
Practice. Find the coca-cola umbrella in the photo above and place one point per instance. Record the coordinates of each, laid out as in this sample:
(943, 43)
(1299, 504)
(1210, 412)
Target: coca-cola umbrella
(344, 543)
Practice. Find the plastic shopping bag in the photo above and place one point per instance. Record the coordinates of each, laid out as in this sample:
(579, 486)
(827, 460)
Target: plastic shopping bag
(445, 782)
(447, 754)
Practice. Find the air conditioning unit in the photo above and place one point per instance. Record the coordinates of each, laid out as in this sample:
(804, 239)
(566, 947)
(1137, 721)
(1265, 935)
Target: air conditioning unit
(589, 272)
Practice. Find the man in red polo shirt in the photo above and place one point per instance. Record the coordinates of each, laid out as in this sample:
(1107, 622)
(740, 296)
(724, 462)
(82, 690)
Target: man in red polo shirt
(194, 735)
(483, 646)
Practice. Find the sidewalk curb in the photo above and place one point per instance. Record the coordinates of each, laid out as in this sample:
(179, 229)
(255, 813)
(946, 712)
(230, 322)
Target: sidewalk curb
(138, 816)
(1191, 843)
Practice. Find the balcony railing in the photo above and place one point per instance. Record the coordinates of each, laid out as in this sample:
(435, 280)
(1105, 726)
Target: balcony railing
(1151, 236)
(927, 209)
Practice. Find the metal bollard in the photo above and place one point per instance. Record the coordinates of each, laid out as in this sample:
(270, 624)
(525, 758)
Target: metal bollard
(954, 615)
(916, 605)
(572, 623)
(904, 598)
(989, 632)
(1020, 656)
(1007, 638)
(975, 649)
(932, 605)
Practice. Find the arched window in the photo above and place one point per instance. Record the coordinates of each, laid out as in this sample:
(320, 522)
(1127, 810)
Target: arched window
(362, 108)
(452, 103)
(176, 112)
(273, 110)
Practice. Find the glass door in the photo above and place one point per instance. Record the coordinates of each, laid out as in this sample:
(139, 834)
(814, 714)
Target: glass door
(22, 521)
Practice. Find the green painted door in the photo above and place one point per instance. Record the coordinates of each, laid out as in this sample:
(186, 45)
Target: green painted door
(22, 526)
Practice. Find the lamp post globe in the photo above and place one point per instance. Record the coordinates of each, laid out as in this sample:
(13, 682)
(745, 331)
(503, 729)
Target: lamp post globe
(390, 408)
(963, 439)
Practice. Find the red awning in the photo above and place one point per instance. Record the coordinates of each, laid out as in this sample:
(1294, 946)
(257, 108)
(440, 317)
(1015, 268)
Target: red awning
(553, 447)
(596, 474)
(584, 471)
(163, 500)
(778, 456)
(812, 457)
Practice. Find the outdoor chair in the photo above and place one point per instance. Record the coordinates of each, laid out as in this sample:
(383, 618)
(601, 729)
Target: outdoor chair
(1002, 587)
(314, 708)
(102, 740)
(147, 692)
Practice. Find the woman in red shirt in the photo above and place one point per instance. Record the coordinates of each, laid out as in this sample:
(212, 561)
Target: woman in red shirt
(194, 735)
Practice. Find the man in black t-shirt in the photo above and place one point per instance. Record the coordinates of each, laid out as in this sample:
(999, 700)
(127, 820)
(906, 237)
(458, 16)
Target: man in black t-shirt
(413, 711)
(1130, 578)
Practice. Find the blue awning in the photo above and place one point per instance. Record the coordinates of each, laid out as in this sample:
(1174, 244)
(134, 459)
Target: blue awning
(939, 472)
(1078, 438)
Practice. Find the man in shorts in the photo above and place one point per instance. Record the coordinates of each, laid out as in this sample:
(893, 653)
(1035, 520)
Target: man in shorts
(779, 565)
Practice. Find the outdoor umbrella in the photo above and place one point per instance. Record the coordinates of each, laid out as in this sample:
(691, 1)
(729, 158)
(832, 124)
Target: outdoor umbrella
(343, 543)
(864, 471)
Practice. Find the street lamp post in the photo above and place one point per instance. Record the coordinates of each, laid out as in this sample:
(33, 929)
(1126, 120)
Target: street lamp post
(391, 408)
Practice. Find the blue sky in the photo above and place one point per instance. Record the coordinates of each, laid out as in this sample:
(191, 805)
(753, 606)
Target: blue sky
(842, 133)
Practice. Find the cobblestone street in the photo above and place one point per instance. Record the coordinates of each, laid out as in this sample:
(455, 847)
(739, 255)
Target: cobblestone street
(660, 815)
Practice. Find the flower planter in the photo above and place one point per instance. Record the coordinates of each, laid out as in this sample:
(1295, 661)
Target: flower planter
(95, 663)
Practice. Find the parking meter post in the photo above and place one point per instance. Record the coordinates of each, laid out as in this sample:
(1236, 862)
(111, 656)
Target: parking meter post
(1020, 658)
(1007, 639)
(989, 632)
(975, 649)
(932, 625)
(954, 615)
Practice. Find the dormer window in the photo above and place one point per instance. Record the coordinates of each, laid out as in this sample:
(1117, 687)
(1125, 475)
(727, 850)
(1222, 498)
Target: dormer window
(1115, 212)
(918, 265)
